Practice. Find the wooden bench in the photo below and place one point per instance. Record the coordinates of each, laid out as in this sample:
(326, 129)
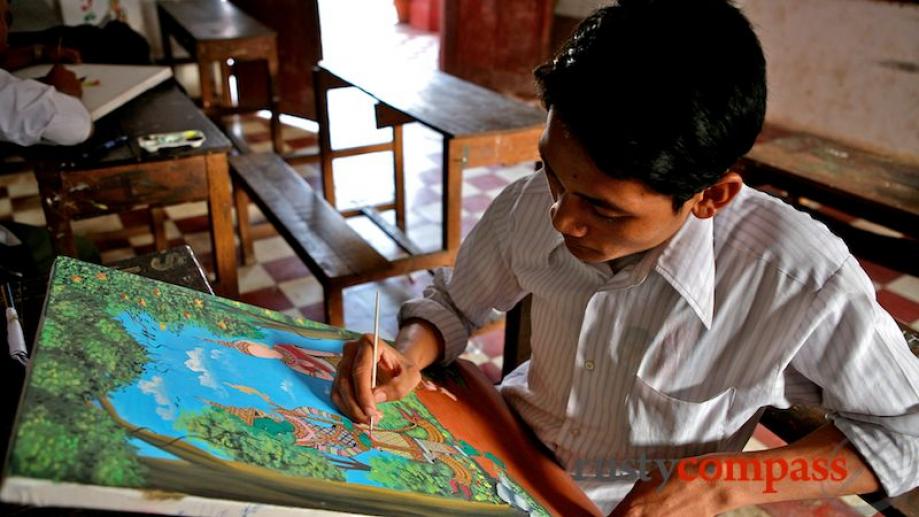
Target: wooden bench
(878, 188)
(788, 424)
(318, 234)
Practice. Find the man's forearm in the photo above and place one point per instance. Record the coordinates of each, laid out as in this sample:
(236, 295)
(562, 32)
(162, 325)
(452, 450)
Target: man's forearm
(421, 342)
(822, 464)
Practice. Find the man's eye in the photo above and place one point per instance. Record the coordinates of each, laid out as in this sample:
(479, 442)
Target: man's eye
(607, 218)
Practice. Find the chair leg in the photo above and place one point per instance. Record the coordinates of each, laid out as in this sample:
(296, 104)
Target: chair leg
(243, 228)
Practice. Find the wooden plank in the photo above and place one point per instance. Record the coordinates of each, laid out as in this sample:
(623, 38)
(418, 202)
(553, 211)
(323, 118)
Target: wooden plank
(879, 188)
(504, 149)
(394, 232)
(120, 188)
(445, 103)
(317, 229)
(359, 150)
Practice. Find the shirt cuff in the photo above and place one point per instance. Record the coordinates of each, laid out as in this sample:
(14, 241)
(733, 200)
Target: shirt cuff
(450, 326)
(893, 456)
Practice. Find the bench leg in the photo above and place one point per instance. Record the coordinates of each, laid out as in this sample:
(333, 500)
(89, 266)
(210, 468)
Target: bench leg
(158, 227)
(246, 245)
(399, 176)
(334, 306)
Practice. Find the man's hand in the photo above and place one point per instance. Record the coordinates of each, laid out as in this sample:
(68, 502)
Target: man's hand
(655, 498)
(65, 81)
(397, 376)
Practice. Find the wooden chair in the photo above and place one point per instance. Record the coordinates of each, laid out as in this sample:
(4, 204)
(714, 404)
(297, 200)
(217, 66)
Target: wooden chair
(789, 424)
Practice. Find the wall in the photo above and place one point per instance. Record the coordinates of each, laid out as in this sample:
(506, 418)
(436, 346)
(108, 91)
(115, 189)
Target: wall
(847, 69)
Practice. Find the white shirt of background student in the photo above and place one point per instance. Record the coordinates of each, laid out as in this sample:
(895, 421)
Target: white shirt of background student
(32, 112)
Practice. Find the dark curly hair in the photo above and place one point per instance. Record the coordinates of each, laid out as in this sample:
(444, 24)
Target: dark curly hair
(669, 92)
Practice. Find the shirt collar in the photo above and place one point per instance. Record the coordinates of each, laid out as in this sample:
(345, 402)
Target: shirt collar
(687, 262)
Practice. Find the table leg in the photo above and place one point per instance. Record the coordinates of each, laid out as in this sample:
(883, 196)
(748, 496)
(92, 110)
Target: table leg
(334, 306)
(241, 200)
(158, 227)
(220, 208)
(165, 22)
(226, 100)
(206, 80)
(321, 81)
(57, 218)
(453, 161)
(399, 175)
(276, 136)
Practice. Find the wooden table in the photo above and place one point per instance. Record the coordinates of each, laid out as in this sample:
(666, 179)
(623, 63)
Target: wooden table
(215, 31)
(127, 177)
(864, 184)
(479, 128)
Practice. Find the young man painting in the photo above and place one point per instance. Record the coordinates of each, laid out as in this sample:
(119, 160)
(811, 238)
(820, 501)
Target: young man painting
(671, 303)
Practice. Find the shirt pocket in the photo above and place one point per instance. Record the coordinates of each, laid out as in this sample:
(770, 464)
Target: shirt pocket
(657, 419)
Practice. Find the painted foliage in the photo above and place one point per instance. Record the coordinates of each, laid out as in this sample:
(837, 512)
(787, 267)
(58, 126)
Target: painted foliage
(140, 384)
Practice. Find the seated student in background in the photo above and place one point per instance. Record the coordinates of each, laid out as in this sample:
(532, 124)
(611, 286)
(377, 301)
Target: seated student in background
(671, 303)
(32, 112)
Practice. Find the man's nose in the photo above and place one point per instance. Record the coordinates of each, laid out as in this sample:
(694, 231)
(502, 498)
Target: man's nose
(566, 217)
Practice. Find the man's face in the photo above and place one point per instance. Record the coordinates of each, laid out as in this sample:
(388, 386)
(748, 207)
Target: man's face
(601, 218)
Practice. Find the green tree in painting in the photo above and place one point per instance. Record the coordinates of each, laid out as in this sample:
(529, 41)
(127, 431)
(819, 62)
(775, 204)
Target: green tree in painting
(84, 357)
(412, 476)
(76, 443)
(271, 444)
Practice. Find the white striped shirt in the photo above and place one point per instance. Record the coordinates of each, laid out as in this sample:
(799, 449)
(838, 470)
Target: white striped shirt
(675, 354)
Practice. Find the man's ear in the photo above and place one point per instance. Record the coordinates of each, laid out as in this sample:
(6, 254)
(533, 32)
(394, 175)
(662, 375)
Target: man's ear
(718, 196)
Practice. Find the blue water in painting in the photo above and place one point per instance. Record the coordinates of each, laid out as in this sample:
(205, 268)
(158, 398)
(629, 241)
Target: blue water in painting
(187, 370)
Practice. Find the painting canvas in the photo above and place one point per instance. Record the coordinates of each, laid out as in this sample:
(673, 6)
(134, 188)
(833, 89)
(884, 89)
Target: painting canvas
(107, 87)
(147, 396)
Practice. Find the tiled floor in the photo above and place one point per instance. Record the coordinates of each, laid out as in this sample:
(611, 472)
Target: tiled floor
(279, 280)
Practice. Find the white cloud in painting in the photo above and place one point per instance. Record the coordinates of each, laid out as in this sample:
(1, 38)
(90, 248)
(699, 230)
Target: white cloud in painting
(217, 354)
(156, 388)
(286, 385)
(195, 363)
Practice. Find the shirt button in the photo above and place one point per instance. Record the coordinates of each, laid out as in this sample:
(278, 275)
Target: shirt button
(588, 365)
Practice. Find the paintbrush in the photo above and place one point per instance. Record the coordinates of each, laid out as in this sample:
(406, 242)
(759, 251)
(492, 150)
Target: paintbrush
(376, 337)
(14, 335)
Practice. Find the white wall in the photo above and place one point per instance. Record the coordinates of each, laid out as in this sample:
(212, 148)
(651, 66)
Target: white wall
(847, 69)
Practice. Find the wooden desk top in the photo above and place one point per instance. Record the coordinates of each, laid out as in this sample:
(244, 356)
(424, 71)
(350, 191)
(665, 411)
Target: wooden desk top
(441, 101)
(160, 110)
(207, 20)
(845, 170)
